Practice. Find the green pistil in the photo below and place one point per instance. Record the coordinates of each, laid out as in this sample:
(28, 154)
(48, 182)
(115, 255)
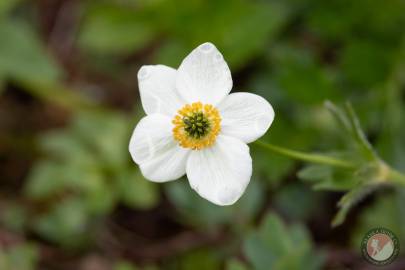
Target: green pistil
(196, 125)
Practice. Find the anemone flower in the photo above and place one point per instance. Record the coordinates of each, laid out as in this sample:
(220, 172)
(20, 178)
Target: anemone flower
(194, 126)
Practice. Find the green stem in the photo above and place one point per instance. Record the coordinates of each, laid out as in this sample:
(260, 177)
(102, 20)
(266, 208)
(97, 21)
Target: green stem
(314, 158)
(396, 177)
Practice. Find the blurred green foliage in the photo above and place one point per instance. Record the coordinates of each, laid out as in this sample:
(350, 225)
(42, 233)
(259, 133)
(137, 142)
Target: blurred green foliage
(113, 29)
(22, 55)
(83, 174)
(19, 257)
(274, 246)
(388, 212)
(203, 214)
(295, 53)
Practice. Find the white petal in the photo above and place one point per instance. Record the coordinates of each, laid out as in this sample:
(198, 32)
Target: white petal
(245, 116)
(152, 147)
(220, 173)
(157, 86)
(204, 76)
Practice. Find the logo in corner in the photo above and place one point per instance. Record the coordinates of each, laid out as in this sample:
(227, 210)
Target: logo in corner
(380, 246)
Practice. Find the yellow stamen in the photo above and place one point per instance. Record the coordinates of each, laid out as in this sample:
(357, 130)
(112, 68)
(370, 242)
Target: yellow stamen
(196, 126)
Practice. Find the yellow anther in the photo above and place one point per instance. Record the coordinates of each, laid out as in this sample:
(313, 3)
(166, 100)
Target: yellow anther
(196, 126)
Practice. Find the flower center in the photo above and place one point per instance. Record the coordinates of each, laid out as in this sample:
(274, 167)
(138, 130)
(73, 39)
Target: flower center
(196, 126)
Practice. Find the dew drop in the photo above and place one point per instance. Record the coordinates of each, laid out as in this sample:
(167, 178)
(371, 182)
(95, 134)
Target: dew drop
(143, 73)
(206, 47)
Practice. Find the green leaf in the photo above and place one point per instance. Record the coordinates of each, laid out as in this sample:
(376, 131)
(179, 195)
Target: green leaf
(135, 191)
(257, 252)
(100, 198)
(44, 180)
(234, 264)
(202, 213)
(243, 28)
(365, 63)
(49, 178)
(385, 211)
(349, 200)
(275, 246)
(230, 25)
(19, 257)
(14, 217)
(62, 145)
(172, 52)
(201, 260)
(327, 178)
(271, 231)
(304, 203)
(348, 119)
(106, 135)
(7, 5)
(65, 223)
(323, 19)
(195, 209)
(315, 172)
(114, 30)
(22, 55)
(249, 205)
(359, 135)
(300, 75)
(123, 265)
(340, 116)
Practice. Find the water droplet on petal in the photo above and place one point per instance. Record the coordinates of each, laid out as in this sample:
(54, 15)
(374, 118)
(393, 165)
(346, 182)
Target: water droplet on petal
(206, 47)
(143, 73)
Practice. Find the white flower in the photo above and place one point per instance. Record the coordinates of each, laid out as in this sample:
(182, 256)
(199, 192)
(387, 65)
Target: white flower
(195, 127)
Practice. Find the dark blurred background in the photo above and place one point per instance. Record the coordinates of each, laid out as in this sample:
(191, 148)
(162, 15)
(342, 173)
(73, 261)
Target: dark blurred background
(70, 196)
